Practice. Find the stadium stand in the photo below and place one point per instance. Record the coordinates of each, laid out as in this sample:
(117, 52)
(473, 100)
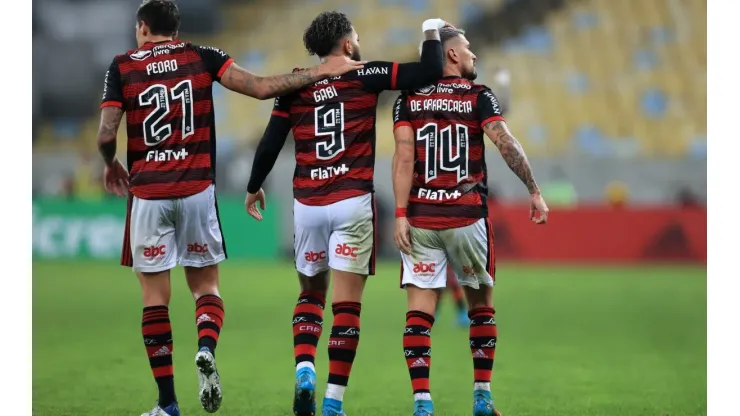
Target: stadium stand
(582, 81)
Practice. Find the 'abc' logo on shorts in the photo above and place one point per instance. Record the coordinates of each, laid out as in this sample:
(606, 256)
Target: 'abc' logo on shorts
(424, 268)
(313, 257)
(152, 252)
(346, 251)
(197, 248)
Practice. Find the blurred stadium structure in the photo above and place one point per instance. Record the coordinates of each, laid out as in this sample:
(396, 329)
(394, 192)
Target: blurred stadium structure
(608, 98)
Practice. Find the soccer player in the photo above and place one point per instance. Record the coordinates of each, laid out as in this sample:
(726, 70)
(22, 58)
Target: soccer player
(439, 181)
(501, 79)
(165, 87)
(333, 123)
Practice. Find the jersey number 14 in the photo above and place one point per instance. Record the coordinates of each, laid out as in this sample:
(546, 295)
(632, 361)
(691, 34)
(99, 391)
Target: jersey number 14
(439, 145)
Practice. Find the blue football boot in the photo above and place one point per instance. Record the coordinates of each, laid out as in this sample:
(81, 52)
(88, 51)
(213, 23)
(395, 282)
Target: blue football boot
(304, 401)
(423, 408)
(332, 407)
(171, 410)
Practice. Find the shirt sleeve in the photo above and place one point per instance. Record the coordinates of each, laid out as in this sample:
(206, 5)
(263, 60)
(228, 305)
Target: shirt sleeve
(401, 112)
(215, 59)
(281, 108)
(489, 108)
(380, 76)
(112, 88)
(268, 151)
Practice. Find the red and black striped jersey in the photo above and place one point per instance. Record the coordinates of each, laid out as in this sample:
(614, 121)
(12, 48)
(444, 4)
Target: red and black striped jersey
(333, 124)
(449, 189)
(165, 88)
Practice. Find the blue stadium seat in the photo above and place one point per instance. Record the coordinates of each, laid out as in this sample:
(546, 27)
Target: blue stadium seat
(644, 59)
(654, 103)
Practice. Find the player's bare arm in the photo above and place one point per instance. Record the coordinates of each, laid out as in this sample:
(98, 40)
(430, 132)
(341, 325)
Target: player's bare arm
(115, 175)
(513, 153)
(110, 120)
(242, 81)
(403, 174)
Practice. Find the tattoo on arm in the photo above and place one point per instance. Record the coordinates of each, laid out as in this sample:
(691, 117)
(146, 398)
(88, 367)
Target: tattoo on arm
(110, 119)
(513, 153)
(407, 142)
(240, 80)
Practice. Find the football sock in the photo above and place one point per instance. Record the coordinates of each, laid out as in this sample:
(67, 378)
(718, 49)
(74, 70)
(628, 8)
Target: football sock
(483, 338)
(209, 317)
(157, 332)
(345, 336)
(308, 321)
(417, 347)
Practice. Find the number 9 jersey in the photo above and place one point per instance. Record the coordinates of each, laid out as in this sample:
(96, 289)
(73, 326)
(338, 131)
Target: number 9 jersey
(450, 187)
(165, 88)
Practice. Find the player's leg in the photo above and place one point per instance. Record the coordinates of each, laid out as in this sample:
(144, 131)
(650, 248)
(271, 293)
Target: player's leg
(153, 252)
(470, 252)
(352, 259)
(199, 237)
(311, 245)
(423, 275)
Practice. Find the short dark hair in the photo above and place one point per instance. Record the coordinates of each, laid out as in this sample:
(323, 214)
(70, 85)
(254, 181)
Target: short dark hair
(162, 16)
(325, 32)
(447, 33)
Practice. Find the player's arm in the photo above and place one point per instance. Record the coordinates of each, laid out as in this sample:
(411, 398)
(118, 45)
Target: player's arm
(267, 151)
(111, 113)
(403, 170)
(411, 75)
(494, 126)
(266, 154)
(232, 76)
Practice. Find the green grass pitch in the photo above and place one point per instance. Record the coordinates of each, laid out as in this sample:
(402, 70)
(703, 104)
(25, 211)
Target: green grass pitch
(572, 341)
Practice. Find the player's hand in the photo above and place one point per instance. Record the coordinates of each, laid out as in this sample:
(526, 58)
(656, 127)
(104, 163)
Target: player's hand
(339, 65)
(251, 204)
(403, 240)
(115, 178)
(538, 205)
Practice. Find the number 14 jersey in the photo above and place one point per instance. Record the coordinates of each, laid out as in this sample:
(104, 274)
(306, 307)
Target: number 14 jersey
(165, 88)
(450, 183)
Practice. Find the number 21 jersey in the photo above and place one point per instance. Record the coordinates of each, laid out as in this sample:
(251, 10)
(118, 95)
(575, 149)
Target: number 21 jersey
(450, 183)
(165, 88)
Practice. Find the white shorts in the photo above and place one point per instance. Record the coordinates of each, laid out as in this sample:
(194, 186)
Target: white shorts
(469, 250)
(339, 236)
(161, 233)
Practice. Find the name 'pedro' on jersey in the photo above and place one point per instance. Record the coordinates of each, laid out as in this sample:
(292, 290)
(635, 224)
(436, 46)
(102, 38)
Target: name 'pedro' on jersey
(165, 88)
(450, 183)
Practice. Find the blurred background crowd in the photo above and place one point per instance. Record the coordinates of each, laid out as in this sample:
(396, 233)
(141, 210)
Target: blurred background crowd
(607, 97)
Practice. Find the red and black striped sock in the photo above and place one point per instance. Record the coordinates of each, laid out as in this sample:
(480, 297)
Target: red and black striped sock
(308, 322)
(157, 332)
(209, 317)
(417, 347)
(345, 336)
(483, 338)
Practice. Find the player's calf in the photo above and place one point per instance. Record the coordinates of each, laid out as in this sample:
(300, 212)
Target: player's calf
(483, 338)
(308, 320)
(209, 318)
(417, 349)
(157, 334)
